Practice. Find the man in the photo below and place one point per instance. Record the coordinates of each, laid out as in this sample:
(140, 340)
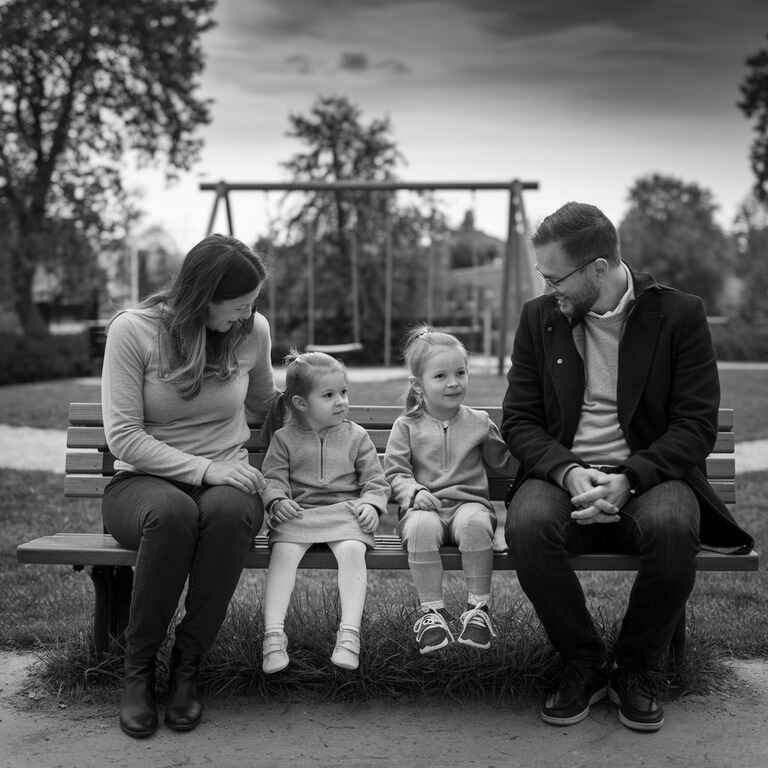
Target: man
(611, 410)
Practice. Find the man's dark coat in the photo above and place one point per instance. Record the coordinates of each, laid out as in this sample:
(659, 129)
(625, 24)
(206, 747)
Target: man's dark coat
(668, 397)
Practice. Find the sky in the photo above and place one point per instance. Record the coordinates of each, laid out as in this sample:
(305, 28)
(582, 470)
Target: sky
(582, 97)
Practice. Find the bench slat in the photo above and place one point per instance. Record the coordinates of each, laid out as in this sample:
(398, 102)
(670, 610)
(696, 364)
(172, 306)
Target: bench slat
(719, 467)
(92, 487)
(89, 414)
(93, 437)
(102, 549)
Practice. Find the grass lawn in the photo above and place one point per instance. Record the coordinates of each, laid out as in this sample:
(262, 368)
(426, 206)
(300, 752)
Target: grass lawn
(44, 404)
(49, 607)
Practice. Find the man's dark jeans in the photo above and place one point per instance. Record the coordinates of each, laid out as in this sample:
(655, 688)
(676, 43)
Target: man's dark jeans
(661, 526)
(180, 531)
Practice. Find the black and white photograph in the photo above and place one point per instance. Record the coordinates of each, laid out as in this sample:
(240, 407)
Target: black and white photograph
(383, 383)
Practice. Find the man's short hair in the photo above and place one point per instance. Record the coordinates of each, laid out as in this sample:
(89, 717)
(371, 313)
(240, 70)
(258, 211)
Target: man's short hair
(582, 230)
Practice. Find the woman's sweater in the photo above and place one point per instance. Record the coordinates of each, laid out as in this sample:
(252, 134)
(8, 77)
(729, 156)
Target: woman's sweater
(446, 458)
(319, 469)
(151, 429)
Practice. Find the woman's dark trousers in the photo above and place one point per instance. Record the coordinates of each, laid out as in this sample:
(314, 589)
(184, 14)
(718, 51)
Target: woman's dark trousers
(180, 531)
(661, 527)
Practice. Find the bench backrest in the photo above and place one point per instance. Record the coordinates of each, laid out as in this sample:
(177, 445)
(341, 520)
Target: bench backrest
(90, 465)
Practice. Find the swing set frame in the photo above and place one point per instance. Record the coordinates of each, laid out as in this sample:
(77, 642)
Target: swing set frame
(513, 265)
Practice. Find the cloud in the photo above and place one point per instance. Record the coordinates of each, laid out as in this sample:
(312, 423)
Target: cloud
(292, 17)
(354, 61)
(506, 19)
(519, 18)
(299, 63)
(681, 22)
(395, 66)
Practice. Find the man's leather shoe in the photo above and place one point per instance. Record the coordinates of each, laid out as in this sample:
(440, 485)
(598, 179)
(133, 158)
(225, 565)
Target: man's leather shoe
(138, 708)
(577, 690)
(636, 694)
(184, 709)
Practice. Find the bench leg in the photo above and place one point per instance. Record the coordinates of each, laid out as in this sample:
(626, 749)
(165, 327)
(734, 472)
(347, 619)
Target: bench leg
(100, 576)
(112, 588)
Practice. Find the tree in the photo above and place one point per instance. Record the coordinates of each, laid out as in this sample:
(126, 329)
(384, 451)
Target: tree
(84, 84)
(340, 147)
(751, 233)
(754, 104)
(70, 261)
(670, 231)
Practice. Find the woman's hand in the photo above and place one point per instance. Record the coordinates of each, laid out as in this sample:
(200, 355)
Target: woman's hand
(284, 509)
(368, 518)
(238, 474)
(425, 500)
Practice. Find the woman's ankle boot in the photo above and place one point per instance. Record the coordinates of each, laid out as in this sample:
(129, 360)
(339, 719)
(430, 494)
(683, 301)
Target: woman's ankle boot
(184, 708)
(138, 708)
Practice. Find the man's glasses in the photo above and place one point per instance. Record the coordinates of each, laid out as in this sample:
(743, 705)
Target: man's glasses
(553, 282)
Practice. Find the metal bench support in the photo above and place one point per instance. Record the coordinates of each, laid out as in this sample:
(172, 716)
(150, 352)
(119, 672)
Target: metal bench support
(112, 587)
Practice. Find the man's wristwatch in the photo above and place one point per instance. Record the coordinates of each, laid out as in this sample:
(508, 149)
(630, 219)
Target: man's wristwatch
(631, 479)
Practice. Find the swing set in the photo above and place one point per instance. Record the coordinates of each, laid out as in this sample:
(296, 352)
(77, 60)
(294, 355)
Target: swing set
(516, 265)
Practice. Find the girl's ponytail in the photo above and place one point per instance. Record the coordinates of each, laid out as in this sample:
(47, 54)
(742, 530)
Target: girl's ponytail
(413, 401)
(275, 418)
(413, 348)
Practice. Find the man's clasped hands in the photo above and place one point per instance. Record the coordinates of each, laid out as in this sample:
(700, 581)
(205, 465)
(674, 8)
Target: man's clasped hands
(597, 497)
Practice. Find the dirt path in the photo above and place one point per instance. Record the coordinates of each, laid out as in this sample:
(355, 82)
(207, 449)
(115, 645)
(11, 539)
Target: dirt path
(707, 732)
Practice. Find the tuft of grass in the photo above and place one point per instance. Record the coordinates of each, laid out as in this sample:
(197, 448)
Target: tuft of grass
(41, 604)
(517, 669)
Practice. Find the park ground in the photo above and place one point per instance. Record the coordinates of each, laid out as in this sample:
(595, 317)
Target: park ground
(719, 724)
(716, 731)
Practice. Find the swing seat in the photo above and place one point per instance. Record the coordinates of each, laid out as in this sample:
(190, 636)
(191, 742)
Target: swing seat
(454, 329)
(335, 349)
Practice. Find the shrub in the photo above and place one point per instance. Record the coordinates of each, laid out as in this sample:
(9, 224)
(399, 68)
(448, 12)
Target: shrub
(9, 322)
(37, 358)
(738, 341)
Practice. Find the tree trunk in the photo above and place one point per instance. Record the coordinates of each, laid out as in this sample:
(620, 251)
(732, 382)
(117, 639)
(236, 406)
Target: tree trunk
(22, 273)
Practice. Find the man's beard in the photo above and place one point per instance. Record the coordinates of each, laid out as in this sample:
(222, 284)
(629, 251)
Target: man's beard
(576, 307)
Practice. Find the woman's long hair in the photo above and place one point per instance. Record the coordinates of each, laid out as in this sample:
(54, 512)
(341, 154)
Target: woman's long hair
(216, 269)
(420, 344)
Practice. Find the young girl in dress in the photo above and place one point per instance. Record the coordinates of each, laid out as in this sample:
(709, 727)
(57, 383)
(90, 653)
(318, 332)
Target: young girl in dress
(324, 483)
(435, 463)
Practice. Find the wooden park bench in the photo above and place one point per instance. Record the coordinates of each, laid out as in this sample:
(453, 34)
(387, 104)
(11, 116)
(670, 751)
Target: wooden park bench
(90, 466)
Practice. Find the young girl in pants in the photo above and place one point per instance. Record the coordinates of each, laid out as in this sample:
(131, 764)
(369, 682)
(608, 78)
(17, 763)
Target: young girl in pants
(435, 463)
(324, 483)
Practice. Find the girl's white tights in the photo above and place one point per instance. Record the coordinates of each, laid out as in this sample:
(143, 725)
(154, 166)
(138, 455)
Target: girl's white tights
(281, 579)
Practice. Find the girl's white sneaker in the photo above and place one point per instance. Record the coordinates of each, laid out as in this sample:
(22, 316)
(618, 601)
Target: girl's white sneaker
(275, 652)
(346, 654)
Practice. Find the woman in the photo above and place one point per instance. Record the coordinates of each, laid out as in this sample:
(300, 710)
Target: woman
(180, 371)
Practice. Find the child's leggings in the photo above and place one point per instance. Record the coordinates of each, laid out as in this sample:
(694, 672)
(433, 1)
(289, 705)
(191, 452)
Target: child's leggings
(281, 578)
(470, 528)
